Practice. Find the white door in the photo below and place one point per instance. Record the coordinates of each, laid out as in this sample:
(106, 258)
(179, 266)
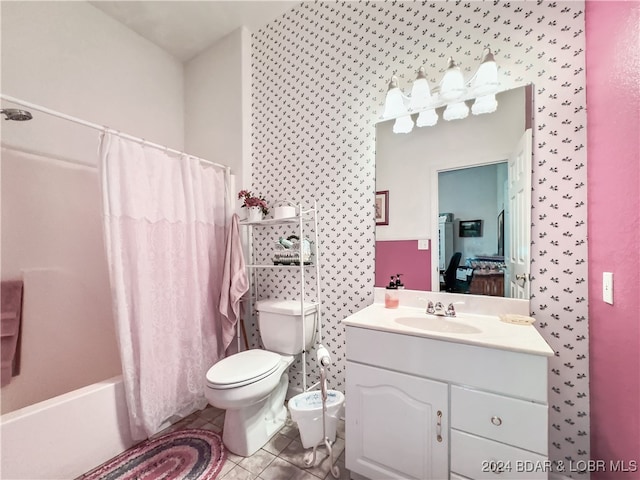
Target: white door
(519, 238)
(397, 425)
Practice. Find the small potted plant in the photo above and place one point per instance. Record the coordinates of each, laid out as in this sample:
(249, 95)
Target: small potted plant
(256, 206)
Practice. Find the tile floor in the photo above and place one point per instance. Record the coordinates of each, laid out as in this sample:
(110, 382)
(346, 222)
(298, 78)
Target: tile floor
(280, 459)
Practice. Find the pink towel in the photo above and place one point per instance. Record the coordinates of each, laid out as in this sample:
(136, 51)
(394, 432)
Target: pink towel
(11, 308)
(234, 282)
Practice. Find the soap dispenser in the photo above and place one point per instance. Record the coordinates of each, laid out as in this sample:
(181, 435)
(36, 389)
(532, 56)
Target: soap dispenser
(391, 299)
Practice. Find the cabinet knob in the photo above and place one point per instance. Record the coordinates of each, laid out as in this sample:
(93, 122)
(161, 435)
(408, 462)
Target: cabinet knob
(497, 421)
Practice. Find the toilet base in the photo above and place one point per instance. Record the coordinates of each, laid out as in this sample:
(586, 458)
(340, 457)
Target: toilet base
(248, 429)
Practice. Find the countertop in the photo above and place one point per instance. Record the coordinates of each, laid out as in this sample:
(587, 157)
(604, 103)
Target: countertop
(493, 333)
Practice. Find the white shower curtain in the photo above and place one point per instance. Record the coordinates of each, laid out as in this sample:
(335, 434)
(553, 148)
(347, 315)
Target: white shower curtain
(164, 219)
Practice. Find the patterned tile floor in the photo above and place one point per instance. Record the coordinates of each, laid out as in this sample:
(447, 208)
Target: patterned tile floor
(282, 458)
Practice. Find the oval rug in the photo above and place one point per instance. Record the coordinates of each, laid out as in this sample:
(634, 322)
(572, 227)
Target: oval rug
(191, 454)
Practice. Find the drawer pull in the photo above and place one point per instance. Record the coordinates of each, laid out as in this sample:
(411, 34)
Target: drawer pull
(439, 427)
(497, 421)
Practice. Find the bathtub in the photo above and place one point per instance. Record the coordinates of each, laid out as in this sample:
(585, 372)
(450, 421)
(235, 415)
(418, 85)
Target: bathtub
(65, 436)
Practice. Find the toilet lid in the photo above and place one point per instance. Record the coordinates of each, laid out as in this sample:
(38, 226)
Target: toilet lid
(243, 368)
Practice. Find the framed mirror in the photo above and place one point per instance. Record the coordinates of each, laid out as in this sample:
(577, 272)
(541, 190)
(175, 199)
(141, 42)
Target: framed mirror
(458, 202)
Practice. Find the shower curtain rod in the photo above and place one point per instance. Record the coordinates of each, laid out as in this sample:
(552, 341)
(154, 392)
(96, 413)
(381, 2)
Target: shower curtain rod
(104, 128)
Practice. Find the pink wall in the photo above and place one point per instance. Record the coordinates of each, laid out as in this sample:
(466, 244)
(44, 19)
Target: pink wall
(403, 256)
(613, 128)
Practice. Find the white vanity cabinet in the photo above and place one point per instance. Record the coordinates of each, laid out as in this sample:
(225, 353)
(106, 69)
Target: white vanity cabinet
(493, 405)
(396, 424)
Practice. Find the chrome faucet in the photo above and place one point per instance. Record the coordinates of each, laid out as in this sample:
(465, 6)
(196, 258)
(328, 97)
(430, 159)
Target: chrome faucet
(451, 312)
(438, 309)
(430, 308)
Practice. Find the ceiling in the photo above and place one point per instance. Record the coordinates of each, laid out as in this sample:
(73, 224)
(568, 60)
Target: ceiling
(186, 28)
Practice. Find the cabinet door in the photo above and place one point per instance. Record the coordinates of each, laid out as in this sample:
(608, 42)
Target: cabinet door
(393, 421)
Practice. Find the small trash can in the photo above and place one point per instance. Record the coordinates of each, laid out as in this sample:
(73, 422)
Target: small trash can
(306, 411)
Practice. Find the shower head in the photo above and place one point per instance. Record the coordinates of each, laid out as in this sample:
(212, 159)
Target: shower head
(15, 114)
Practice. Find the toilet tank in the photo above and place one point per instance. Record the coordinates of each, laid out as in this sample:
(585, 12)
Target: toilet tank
(280, 323)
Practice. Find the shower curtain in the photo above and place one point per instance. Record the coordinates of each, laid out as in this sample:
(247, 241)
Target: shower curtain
(164, 219)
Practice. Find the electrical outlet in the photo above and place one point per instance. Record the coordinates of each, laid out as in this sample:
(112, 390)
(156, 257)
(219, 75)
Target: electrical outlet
(607, 287)
(423, 244)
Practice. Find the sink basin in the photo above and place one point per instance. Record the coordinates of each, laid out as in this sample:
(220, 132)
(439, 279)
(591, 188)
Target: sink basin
(437, 324)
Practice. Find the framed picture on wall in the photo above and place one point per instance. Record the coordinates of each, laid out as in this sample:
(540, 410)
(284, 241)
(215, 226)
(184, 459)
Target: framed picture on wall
(470, 228)
(501, 233)
(382, 207)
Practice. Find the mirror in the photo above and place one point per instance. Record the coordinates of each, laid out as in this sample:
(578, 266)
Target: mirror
(460, 186)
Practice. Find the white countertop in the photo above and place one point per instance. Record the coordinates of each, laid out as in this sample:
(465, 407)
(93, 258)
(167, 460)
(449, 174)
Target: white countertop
(494, 333)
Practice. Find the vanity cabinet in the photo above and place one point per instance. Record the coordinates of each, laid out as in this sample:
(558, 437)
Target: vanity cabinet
(396, 424)
(493, 405)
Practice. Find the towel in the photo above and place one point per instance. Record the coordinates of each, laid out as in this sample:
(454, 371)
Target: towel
(235, 282)
(11, 309)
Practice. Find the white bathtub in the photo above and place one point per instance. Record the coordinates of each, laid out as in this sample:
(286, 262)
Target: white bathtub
(64, 437)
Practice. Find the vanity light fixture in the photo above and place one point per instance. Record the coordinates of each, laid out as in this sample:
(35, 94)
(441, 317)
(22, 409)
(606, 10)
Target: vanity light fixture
(403, 124)
(456, 111)
(452, 92)
(484, 104)
(452, 84)
(394, 102)
(484, 84)
(421, 99)
(485, 81)
(451, 88)
(394, 105)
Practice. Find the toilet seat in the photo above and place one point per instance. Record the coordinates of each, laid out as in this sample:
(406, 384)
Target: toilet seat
(242, 369)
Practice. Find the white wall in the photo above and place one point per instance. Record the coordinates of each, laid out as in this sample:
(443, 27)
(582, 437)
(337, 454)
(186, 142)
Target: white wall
(70, 57)
(404, 162)
(218, 104)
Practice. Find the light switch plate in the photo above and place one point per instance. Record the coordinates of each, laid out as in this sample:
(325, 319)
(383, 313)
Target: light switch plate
(607, 287)
(423, 244)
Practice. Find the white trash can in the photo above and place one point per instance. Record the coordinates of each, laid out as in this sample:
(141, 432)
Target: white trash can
(306, 411)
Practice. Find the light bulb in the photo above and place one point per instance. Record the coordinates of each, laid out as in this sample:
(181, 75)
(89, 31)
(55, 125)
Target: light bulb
(485, 81)
(456, 111)
(403, 124)
(452, 84)
(428, 118)
(420, 92)
(394, 102)
(484, 104)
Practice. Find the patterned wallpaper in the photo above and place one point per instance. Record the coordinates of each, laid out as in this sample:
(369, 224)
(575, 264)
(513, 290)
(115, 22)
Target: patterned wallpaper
(319, 76)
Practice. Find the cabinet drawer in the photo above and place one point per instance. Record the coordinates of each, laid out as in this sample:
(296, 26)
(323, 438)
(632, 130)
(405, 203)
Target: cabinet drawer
(478, 458)
(499, 371)
(508, 420)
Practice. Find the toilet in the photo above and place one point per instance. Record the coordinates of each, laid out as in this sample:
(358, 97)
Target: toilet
(252, 385)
